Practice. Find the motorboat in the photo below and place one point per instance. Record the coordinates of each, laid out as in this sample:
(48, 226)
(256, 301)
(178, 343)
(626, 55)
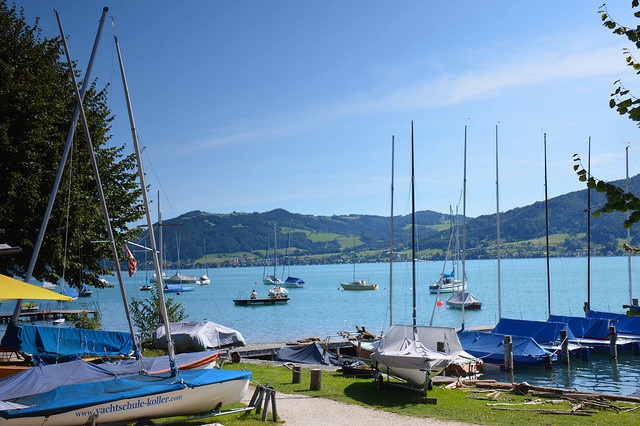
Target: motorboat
(358, 285)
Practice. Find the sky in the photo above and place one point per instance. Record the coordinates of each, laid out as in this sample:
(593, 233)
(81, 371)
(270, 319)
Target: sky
(250, 106)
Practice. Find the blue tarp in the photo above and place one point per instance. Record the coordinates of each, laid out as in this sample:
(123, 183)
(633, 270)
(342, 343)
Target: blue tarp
(294, 280)
(586, 328)
(543, 332)
(53, 344)
(490, 348)
(307, 354)
(623, 323)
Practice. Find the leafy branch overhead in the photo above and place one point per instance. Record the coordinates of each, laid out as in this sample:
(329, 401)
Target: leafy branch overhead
(626, 104)
(617, 198)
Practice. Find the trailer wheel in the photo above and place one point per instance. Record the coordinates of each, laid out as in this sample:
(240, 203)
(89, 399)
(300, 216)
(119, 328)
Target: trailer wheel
(235, 357)
(379, 381)
(430, 385)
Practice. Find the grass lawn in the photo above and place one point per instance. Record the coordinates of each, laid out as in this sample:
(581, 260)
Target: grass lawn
(469, 405)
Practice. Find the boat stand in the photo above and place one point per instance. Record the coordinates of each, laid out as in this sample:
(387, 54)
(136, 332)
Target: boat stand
(379, 378)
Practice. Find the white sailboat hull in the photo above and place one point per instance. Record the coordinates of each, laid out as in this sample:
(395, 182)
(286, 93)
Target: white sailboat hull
(184, 401)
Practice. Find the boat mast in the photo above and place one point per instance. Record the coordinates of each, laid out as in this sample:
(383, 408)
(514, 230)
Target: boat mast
(546, 216)
(156, 262)
(498, 229)
(275, 252)
(63, 161)
(628, 234)
(391, 238)
(588, 307)
(413, 234)
(464, 224)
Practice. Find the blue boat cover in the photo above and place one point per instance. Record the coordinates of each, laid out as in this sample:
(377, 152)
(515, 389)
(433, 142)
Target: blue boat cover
(490, 348)
(294, 280)
(69, 397)
(586, 328)
(623, 323)
(307, 354)
(542, 332)
(54, 344)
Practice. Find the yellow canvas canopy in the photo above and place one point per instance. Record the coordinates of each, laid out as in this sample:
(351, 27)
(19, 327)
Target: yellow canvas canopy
(12, 289)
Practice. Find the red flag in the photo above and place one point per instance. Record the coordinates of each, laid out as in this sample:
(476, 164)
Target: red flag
(132, 261)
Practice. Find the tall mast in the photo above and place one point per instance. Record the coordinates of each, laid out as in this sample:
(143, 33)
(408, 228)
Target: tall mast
(391, 238)
(588, 307)
(156, 262)
(61, 166)
(546, 216)
(413, 234)
(464, 224)
(498, 229)
(628, 233)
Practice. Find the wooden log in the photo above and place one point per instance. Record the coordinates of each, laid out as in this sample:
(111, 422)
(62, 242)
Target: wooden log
(297, 374)
(267, 400)
(316, 379)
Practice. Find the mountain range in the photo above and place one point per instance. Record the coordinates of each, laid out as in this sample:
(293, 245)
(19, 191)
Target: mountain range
(248, 239)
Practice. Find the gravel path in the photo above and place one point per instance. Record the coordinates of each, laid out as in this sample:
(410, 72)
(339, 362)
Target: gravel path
(303, 410)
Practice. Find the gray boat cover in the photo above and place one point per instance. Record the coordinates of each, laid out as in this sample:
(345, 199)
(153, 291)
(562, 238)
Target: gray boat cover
(313, 353)
(198, 336)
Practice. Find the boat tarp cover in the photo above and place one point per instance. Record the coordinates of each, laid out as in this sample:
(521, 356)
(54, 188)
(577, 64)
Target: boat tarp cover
(400, 348)
(307, 354)
(52, 344)
(430, 337)
(294, 280)
(44, 378)
(490, 348)
(541, 331)
(68, 397)
(198, 336)
(457, 298)
(587, 328)
(623, 323)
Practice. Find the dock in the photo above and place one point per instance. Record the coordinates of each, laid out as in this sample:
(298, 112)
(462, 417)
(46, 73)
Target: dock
(48, 314)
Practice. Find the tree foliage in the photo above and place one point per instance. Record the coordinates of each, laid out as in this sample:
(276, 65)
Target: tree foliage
(626, 104)
(146, 315)
(37, 100)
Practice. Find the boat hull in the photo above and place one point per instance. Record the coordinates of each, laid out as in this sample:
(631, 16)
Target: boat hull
(124, 409)
(261, 301)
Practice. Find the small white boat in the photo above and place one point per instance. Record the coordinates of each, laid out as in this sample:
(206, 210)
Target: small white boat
(447, 283)
(204, 280)
(358, 285)
(271, 280)
(293, 282)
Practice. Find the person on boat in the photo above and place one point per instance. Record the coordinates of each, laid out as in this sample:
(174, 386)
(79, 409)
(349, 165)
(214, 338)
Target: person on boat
(254, 295)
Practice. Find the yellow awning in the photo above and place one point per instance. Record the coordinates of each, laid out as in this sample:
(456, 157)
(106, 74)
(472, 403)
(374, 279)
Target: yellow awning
(12, 289)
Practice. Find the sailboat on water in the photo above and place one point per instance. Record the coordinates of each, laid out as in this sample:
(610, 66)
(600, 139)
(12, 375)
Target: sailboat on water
(272, 279)
(110, 397)
(463, 299)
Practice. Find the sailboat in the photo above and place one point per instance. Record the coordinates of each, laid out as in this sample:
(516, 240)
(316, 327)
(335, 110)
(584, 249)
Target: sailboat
(272, 279)
(463, 299)
(291, 282)
(449, 283)
(401, 352)
(204, 279)
(125, 398)
(357, 283)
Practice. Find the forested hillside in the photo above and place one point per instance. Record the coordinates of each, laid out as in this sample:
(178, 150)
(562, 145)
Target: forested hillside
(239, 239)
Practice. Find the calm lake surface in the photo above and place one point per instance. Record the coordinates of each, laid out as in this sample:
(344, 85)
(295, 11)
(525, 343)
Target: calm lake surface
(321, 309)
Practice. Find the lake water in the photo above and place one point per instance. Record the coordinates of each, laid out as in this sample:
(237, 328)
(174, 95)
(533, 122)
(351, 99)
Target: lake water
(321, 309)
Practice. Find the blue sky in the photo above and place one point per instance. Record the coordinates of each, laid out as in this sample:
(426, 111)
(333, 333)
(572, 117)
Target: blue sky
(254, 105)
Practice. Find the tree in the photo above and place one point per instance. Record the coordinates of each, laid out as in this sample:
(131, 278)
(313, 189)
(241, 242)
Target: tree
(146, 315)
(37, 100)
